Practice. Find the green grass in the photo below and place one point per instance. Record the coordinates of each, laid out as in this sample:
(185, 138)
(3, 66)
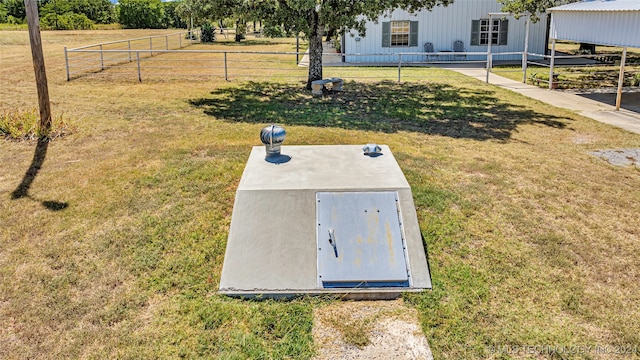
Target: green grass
(116, 247)
(23, 125)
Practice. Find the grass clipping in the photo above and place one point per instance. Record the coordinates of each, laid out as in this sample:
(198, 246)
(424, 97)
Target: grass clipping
(23, 125)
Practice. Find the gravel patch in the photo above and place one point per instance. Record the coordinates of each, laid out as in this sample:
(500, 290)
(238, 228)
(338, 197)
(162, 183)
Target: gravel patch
(619, 157)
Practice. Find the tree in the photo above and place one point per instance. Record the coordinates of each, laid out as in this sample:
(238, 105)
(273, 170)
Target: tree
(311, 17)
(535, 8)
(99, 11)
(141, 14)
(15, 8)
(171, 18)
(198, 11)
(3, 13)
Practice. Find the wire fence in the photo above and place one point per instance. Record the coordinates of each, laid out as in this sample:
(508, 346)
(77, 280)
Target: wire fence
(164, 57)
(95, 58)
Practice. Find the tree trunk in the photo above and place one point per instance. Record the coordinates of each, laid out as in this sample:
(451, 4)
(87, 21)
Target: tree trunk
(330, 32)
(315, 49)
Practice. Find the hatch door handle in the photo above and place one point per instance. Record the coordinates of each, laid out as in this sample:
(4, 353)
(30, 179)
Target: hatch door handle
(332, 241)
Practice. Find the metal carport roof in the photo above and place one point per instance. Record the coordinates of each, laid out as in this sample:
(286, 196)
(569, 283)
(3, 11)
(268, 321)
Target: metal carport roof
(603, 22)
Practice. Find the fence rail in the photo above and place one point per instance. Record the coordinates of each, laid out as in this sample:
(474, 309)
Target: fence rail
(163, 56)
(99, 57)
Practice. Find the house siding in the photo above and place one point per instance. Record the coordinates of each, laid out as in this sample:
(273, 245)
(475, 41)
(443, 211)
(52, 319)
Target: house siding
(442, 26)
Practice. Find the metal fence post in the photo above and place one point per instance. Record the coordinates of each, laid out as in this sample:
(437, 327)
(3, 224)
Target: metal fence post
(101, 58)
(551, 63)
(138, 59)
(488, 65)
(166, 40)
(129, 50)
(66, 62)
(180, 40)
(150, 46)
(399, 66)
(226, 77)
(525, 61)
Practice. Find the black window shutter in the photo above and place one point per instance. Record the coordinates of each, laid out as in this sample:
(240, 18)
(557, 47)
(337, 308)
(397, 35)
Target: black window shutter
(386, 34)
(413, 33)
(504, 30)
(475, 32)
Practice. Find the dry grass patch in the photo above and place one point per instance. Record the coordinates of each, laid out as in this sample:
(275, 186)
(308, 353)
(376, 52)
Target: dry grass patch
(368, 330)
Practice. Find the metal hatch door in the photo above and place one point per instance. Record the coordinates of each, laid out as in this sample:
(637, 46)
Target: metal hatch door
(360, 240)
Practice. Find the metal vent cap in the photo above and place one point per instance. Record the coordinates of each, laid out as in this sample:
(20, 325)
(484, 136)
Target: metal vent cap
(272, 137)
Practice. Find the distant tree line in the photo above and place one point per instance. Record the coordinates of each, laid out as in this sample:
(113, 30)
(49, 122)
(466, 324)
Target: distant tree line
(84, 14)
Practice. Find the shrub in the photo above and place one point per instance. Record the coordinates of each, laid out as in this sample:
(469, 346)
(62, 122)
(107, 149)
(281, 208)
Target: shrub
(207, 33)
(67, 21)
(14, 20)
(23, 125)
(3, 13)
(273, 31)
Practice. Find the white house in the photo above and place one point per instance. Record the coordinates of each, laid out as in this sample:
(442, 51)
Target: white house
(464, 20)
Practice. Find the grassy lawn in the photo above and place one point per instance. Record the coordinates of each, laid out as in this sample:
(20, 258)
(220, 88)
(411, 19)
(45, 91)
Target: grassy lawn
(118, 247)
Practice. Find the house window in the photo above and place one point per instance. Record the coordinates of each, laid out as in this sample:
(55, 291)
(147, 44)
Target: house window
(400, 33)
(481, 30)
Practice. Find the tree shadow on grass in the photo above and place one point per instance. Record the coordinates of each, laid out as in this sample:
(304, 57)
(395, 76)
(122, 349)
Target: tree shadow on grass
(386, 106)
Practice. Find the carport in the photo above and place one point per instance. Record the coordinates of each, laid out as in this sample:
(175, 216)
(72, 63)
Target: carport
(601, 22)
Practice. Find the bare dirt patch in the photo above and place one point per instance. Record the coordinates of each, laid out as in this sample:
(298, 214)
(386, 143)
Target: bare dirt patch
(369, 330)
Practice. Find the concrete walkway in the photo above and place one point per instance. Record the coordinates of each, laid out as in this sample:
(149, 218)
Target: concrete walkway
(329, 56)
(586, 105)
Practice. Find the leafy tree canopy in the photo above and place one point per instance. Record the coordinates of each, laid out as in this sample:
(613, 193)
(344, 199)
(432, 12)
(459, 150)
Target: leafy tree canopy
(141, 14)
(15, 8)
(3, 13)
(311, 17)
(533, 7)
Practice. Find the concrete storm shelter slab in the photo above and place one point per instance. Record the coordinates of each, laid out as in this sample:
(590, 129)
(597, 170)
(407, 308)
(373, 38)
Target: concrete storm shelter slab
(330, 220)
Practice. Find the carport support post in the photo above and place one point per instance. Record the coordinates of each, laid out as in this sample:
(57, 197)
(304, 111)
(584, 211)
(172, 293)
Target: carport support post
(526, 51)
(489, 64)
(551, 63)
(621, 78)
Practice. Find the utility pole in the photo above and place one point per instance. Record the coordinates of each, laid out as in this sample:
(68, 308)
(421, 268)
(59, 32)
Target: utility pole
(31, 7)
